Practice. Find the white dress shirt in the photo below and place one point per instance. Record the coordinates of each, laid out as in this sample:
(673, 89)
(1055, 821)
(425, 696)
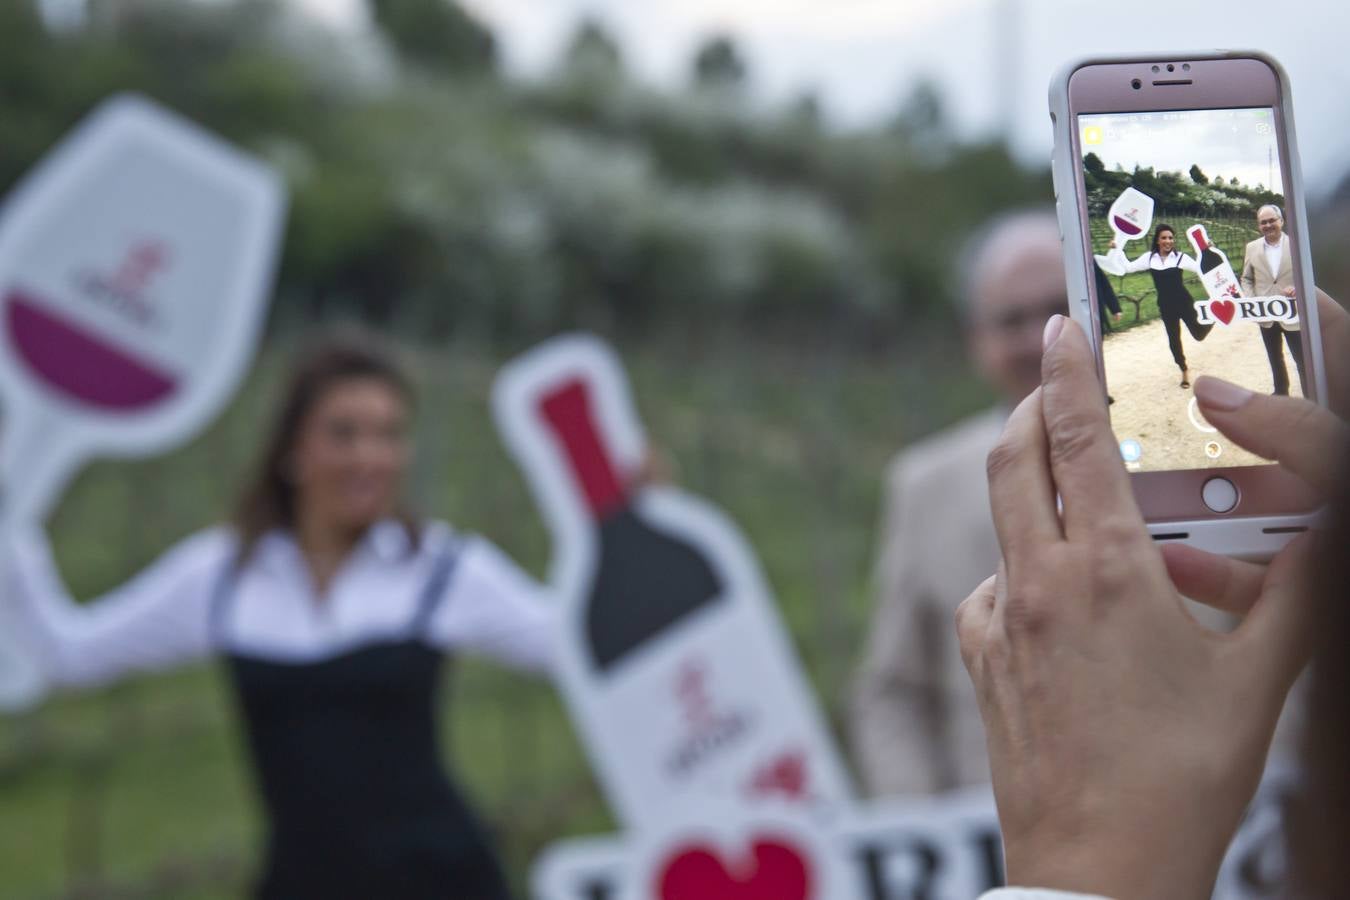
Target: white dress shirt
(163, 617)
(1274, 254)
(1158, 262)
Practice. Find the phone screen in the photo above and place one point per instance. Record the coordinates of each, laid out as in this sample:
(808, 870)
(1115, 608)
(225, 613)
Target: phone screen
(1194, 273)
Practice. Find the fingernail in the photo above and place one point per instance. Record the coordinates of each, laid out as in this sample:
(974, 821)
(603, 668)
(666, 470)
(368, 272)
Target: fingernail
(1053, 326)
(1220, 395)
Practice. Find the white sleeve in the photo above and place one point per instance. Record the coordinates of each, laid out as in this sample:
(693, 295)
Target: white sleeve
(494, 608)
(1114, 262)
(157, 620)
(1189, 263)
(1015, 893)
(1139, 263)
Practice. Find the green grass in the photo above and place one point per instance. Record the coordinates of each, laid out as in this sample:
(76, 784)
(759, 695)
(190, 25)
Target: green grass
(141, 790)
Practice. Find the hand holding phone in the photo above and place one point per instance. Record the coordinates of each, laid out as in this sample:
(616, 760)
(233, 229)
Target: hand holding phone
(1180, 177)
(1112, 715)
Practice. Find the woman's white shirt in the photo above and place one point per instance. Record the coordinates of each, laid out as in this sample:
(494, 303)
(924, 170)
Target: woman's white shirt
(1014, 893)
(167, 615)
(1116, 263)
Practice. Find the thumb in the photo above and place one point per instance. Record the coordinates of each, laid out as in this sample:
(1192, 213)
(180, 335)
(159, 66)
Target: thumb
(1278, 635)
(1305, 438)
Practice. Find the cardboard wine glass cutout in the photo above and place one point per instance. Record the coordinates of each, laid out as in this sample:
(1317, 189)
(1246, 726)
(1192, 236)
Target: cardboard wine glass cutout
(1225, 302)
(677, 671)
(1130, 217)
(135, 262)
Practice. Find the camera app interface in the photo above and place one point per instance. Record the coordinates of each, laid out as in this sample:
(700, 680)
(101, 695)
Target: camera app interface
(1194, 274)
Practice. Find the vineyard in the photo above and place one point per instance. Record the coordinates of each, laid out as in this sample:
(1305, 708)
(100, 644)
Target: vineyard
(1138, 300)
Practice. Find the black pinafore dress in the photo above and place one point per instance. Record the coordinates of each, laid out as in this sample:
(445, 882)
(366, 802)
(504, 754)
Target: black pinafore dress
(1175, 307)
(348, 763)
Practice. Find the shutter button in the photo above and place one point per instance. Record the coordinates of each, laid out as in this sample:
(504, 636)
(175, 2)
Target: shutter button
(1219, 494)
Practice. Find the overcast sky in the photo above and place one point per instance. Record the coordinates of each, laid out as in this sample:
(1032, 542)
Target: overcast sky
(992, 59)
(1223, 143)
(862, 56)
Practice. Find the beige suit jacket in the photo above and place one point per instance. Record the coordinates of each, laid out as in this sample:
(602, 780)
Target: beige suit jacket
(1259, 281)
(914, 721)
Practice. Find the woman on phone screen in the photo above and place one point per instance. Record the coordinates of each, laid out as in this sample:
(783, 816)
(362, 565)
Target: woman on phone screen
(1175, 304)
(334, 609)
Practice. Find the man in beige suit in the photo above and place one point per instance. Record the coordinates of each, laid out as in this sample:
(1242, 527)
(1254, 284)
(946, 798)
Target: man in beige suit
(915, 724)
(1268, 271)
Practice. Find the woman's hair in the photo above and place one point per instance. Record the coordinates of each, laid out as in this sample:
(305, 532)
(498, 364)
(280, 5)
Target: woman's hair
(268, 499)
(1157, 233)
(1319, 821)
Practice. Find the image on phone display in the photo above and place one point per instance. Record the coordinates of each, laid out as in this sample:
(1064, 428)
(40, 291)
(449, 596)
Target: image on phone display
(1195, 273)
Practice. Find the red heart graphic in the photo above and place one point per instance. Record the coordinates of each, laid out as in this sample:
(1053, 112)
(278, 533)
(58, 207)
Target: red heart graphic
(778, 871)
(1223, 310)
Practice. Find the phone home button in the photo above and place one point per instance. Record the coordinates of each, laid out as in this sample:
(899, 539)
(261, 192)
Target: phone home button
(1220, 495)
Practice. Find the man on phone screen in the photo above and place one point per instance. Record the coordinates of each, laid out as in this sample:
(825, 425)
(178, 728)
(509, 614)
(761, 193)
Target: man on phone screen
(1268, 271)
(914, 719)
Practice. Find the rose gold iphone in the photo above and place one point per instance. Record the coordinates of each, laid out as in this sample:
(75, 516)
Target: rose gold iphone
(1178, 187)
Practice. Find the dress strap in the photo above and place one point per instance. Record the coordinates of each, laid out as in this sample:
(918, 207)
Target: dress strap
(433, 590)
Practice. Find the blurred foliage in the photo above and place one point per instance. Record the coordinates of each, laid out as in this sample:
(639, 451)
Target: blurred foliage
(435, 33)
(432, 194)
(718, 63)
(1193, 194)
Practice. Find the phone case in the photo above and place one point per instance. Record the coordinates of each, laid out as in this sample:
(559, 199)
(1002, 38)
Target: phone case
(1246, 537)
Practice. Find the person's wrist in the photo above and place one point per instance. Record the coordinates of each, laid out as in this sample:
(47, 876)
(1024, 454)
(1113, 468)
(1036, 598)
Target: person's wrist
(1123, 866)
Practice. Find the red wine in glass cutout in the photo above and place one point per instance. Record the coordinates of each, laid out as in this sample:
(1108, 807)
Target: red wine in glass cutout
(645, 580)
(75, 362)
(1125, 226)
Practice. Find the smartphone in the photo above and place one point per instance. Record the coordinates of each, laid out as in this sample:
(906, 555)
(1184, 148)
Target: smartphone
(1179, 194)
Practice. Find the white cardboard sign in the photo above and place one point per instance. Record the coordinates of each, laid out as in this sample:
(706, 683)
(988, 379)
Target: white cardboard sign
(1261, 310)
(135, 264)
(677, 671)
(943, 848)
(772, 853)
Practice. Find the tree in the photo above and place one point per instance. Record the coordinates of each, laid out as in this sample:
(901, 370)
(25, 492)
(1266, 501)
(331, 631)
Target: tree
(593, 51)
(718, 64)
(1093, 163)
(921, 117)
(1197, 176)
(436, 33)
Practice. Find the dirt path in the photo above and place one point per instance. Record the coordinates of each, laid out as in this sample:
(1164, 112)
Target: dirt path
(1153, 409)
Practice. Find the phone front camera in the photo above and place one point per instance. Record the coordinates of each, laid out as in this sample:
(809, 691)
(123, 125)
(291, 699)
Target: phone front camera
(1136, 84)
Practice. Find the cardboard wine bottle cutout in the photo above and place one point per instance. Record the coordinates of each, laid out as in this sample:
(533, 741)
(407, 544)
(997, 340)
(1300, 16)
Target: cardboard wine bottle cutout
(136, 260)
(676, 668)
(1225, 302)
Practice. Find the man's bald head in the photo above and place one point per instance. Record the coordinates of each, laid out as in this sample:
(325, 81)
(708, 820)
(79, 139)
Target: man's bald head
(1013, 281)
(1271, 222)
